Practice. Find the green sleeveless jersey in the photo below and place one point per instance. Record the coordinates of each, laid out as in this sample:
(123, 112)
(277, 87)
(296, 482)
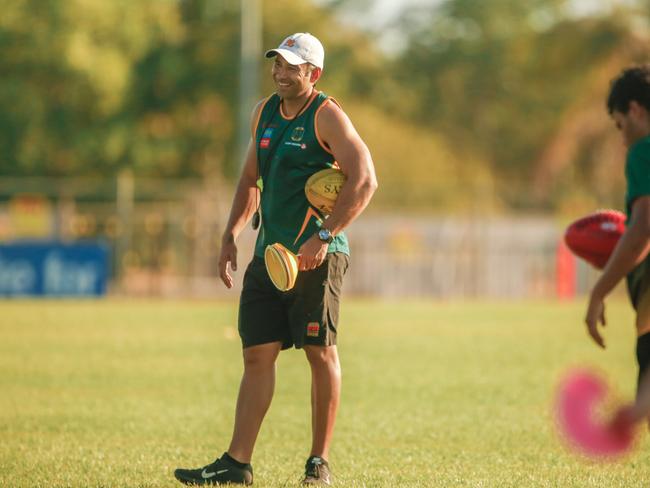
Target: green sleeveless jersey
(637, 172)
(296, 152)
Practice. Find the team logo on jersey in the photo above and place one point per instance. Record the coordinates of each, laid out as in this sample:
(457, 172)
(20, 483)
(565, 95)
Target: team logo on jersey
(266, 138)
(312, 329)
(297, 134)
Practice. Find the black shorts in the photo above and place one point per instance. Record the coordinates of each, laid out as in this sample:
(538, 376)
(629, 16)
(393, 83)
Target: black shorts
(308, 314)
(638, 282)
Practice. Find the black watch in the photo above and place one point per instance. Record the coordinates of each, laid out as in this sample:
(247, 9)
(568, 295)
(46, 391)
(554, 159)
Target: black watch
(325, 235)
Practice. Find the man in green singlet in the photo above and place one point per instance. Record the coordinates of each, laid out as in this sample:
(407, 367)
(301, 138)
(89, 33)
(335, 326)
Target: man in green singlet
(296, 132)
(629, 105)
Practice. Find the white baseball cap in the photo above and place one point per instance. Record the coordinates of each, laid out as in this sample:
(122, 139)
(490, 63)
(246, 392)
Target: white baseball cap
(300, 48)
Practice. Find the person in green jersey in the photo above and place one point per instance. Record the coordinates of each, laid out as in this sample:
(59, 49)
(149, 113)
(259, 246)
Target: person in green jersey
(629, 105)
(296, 132)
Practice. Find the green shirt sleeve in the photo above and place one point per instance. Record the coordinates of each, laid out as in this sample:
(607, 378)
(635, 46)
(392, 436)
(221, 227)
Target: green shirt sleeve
(637, 172)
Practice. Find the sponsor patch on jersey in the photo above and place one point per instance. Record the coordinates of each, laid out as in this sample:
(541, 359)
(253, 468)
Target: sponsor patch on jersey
(301, 145)
(312, 329)
(266, 138)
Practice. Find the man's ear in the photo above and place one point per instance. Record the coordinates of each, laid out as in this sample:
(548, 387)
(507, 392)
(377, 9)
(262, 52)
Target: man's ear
(315, 75)
(637, 109)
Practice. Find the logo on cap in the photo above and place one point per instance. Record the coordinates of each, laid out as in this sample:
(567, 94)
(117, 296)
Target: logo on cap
(300, 48)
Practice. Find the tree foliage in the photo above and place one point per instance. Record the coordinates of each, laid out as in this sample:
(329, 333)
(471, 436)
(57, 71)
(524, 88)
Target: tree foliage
(497, 78)
(489, 101)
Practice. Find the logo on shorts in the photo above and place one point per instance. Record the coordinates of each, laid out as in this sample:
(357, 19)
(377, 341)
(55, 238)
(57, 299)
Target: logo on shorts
(312, 329)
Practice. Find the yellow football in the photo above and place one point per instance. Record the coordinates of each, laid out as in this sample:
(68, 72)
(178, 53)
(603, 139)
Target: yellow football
(282, 266)
(290, 261)
(323, 187)
(275, 268)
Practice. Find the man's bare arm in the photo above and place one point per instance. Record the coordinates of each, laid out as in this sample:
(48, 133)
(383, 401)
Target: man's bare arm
(631, 249)
(355, 161)
(353, 157)
(629, 252)
(243, 207)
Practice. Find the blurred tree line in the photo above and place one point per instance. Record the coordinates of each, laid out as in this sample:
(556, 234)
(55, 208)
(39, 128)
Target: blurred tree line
(485, 105)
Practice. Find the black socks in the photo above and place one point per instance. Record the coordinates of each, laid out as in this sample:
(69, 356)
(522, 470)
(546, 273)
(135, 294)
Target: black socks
(233, 461)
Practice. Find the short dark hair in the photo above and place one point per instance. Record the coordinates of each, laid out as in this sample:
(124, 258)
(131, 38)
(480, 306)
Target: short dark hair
(632, 84)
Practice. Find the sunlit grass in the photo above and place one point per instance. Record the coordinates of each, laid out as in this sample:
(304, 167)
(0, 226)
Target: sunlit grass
(118, 394)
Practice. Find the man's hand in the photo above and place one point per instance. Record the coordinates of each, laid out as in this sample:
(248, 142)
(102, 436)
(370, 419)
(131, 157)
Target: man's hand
(595, 314)
(228, 255)
(312, 253)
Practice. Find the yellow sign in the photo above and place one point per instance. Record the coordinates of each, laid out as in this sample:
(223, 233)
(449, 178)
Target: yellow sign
(31, 216)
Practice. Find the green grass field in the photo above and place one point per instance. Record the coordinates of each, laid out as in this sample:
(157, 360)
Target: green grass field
(119, 393)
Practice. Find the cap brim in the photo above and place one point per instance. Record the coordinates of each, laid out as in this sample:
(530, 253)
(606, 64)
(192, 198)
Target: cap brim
(289, 56)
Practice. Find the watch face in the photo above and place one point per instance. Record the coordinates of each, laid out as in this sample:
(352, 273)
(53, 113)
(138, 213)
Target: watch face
(324, 235)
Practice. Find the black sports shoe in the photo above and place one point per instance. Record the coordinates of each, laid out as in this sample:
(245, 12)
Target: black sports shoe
(221, 471)
(317, 472)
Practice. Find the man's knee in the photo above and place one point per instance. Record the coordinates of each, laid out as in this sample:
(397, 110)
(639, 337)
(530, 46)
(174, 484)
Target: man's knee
(261, 356)
(322, 356)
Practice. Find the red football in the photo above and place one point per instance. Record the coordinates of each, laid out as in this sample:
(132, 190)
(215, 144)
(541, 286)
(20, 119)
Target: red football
(594, 237)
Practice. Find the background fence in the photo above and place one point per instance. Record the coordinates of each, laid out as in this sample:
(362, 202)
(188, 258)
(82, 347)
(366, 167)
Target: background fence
(164, 238)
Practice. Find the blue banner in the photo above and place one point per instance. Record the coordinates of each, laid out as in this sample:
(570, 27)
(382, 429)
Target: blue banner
(53, 269)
